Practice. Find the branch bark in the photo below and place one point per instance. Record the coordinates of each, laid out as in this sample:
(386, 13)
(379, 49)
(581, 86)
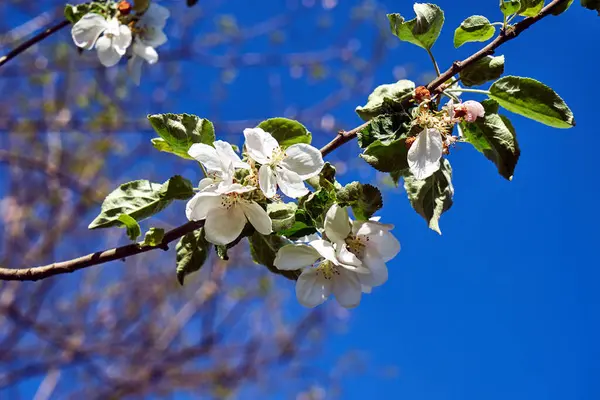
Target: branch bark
(101, 257)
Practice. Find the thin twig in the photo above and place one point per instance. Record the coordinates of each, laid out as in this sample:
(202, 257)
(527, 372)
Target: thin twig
(436, 86)
(37, 38)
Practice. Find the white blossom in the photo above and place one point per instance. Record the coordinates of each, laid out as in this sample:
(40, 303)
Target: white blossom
(226, 211)
(149, 35)
(284, 168)
(425, 153)
(113, 43)
(219, 161)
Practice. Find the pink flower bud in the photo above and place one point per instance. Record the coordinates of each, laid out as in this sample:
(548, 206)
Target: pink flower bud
(474, 110)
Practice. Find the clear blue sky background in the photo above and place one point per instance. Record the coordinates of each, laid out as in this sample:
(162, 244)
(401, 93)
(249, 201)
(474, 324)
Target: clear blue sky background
(505, 304)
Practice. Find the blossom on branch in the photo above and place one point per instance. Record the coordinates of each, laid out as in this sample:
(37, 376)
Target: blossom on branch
(284, 168)
(219, 161)
(113, 43)
(425, 153)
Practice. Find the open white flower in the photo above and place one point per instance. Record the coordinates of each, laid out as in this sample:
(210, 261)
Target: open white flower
(149, 35)
(220, 161)
(425, 153)
(226, 211)
(370, 242)
(287, 168)
(322, 274)
(111, 46)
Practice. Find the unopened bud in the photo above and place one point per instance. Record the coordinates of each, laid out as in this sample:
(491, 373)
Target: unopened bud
(124, 7)
(422, 93)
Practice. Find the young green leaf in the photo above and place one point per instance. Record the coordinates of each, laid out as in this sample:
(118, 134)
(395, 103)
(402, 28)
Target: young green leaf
(364, 199)
(178, 132)
(422, 31)
(133, 228)
(532, 99)
(286, 131)
(510, 7)
(153, 237)
(387, 156)
(192, 252)
(283, 215)
(494, 136)
(263, 250)
(591, 5)
(140, 200)
(473, 29)
(431, 197)
(386, 99)
(303, 226)
(75, 13)
(385, 128)
(483, 70)
(531, 8)
(317, 203)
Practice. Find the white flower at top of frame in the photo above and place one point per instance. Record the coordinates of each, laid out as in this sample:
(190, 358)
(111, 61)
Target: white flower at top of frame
(287, 168)
(226, 211)
(425, 153)
(149, 35)
(113, 43)
(220, 161)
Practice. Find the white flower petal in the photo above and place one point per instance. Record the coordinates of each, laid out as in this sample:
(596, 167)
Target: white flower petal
(349, 261)
(234, 188)
(87, 30)
(312, 288)
(325, 249)
(225, 152)
(303, 159)
(156, 15)
(260, 145)
(257, 216)
(107, 55)
(380, 239)
(337, 224)
(201, 204)
(267, 181)
(378, 270)
(425, 153)
(347, 288)
(224, 225)
(295, 256)
(207, 155)
(123, 40)
(205, 183)
(154, 37)
(134, 67)
(146, 52)
(290, 183)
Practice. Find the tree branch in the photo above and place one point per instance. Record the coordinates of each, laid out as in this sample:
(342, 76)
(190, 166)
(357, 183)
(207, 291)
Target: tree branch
(435, 86)
(37, 38)
(37, 273)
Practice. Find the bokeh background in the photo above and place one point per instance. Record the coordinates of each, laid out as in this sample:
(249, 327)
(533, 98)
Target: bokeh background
(502, 305)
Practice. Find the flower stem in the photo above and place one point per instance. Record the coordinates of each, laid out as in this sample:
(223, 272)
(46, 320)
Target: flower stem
(435, 64)
(486, 92)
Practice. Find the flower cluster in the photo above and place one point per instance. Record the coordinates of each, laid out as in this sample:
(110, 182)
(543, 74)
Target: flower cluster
(117, 33)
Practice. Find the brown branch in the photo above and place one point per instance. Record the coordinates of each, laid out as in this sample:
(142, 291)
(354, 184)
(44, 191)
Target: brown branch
(37, 273)
(37, 38)
(435, 86)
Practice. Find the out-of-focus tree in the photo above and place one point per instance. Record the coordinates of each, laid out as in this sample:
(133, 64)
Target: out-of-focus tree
(71, 130)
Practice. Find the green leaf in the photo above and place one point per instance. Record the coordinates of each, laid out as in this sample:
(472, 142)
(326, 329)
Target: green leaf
(303, 226)
(140, 6)
(423, 30)
(283, 215)
(153, 237)
(481, 71)
(386, 99)
(75, 13)
(385, 128)
(286, 131)
(133, 228)
(192, 252)
(591, 5)
(473, 29)
(316, 204)
(431, 197)
(387, 156)
(140, 200)
(532, 99)
(510, 7)
(494, 136)
(264, 250)
(178, 132)
(325, 179)
(364, 199)
(531, 8)
(562, 7)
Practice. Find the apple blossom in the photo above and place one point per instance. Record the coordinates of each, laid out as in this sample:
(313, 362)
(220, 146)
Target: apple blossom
(113, 43)
(284, 168)
(220, 161)
(425, 153)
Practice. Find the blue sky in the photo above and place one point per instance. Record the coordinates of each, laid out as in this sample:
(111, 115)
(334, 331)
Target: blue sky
(504, 303)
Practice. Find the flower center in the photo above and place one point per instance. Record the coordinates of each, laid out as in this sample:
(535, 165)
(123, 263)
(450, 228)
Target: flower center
(327, 269)
(230, 200)
(278, 156)
(357, 244)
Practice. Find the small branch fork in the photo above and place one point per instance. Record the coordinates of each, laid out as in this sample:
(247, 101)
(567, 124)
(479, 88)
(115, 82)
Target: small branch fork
(101, 257)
